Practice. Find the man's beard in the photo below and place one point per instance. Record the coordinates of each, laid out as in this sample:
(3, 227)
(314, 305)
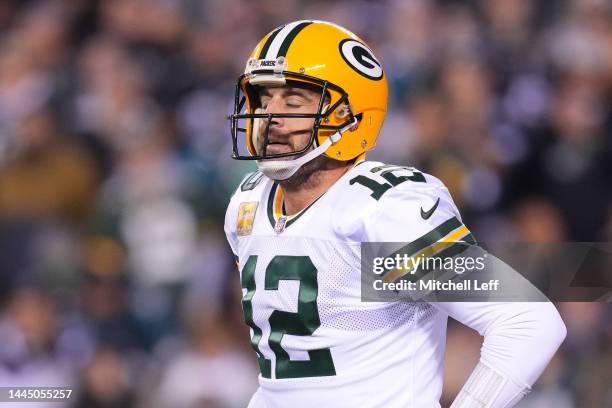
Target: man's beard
(261, 147)
(309, 174)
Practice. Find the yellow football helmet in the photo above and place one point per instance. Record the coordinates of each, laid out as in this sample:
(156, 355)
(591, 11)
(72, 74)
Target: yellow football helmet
(351, 80)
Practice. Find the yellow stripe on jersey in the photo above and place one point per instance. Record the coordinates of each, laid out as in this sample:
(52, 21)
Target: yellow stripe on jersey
(278, 203)
(429, 248)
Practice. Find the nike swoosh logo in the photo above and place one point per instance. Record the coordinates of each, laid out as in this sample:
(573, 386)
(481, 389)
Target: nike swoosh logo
(427, 214)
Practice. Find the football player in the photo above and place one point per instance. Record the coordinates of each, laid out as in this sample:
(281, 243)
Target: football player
(308, 107)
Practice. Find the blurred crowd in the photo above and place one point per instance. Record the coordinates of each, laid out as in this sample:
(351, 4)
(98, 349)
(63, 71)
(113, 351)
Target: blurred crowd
(115, 170)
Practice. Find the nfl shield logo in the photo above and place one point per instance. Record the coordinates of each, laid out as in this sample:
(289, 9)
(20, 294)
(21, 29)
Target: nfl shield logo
(280, 225)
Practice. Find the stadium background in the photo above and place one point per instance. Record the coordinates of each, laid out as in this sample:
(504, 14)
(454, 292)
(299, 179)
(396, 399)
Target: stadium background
(115, 277)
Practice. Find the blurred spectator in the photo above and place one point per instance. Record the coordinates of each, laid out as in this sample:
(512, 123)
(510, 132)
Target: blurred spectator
(45, 176)
(192, 377)
(30, 355)
(106, 382)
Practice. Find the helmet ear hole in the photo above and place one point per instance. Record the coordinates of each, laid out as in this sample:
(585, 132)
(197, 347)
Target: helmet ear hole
(342, 111)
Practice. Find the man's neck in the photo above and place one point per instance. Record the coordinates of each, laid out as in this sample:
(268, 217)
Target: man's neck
(299, 194)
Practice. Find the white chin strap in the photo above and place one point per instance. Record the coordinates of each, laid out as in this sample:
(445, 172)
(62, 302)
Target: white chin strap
(283, 169)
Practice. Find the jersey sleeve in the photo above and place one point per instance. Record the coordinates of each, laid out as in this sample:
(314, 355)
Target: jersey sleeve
(423, 215)
(512, 331)
(231, 218)
(230, 226)
(246, 186)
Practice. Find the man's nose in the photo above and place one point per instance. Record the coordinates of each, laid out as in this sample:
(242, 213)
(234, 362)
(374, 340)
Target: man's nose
(274, 106)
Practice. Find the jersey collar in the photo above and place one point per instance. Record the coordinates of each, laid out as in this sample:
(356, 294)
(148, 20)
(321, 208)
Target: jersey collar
(276, 209)
(276, 206)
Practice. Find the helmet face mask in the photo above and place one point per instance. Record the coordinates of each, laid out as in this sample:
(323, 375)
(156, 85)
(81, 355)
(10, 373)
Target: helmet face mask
(246, 100)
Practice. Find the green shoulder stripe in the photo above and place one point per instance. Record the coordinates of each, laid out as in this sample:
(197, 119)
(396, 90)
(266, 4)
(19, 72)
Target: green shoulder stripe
(431, 237)
(459, 245)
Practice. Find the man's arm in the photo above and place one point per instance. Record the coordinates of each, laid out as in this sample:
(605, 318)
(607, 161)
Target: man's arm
(519, 341)
(520, 337)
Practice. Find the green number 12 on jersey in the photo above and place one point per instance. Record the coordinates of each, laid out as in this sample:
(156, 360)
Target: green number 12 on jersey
(302, 323)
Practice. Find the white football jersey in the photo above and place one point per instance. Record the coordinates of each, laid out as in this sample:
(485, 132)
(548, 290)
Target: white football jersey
(318, 344)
